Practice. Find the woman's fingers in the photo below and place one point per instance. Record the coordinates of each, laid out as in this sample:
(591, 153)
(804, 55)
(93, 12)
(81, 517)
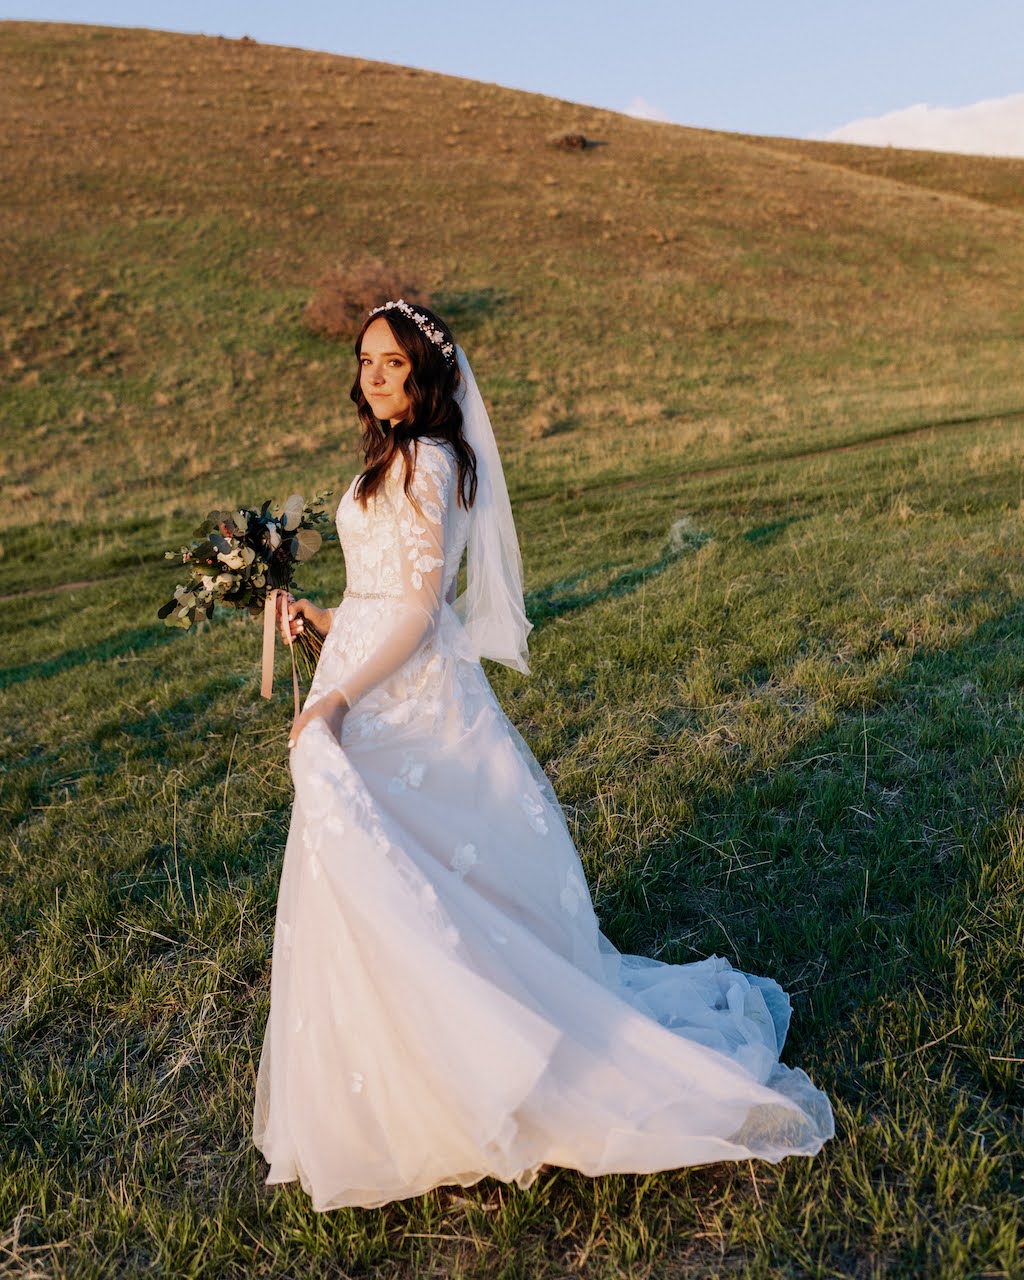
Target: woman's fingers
(325, 709)
(291, 620)
(298, 724)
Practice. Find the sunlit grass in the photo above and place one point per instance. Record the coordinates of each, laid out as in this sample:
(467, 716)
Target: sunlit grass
(764, 435)
(795, 744)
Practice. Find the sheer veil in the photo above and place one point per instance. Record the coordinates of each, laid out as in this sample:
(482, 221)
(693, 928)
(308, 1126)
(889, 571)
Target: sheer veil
(491, 608)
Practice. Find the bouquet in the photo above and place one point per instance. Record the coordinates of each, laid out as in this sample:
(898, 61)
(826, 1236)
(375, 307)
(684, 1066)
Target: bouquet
(240, 558)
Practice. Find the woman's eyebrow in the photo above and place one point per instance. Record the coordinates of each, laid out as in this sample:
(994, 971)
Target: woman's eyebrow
(401, 354)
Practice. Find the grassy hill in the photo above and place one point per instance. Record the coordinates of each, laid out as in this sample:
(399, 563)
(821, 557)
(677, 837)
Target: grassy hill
(760, 405)
(670, 298)
(998, 182)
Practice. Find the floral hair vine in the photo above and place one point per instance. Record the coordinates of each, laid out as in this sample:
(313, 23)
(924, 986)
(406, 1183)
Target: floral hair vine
(425, 326)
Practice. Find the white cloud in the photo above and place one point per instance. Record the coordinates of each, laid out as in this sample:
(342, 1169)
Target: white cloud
(644, 110)
(994, 127)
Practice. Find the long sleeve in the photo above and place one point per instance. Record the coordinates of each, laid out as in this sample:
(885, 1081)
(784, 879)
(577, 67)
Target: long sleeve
(421, 539)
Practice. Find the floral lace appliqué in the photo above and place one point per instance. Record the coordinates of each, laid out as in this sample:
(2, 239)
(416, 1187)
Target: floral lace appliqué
(534, 811)
(418, 545)
(574, 891)
(463, 858)
(409, 777)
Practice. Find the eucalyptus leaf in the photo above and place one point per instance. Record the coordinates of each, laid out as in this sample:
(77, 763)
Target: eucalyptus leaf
(308, 544)
(292, 513)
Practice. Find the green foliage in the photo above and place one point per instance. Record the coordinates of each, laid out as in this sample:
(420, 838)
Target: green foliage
(237, 557)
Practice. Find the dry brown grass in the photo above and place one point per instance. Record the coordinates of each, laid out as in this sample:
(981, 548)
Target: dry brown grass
(990, 179)
(671, 298)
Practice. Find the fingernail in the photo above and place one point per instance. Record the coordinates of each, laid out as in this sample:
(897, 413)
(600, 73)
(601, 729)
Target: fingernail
(291, 742)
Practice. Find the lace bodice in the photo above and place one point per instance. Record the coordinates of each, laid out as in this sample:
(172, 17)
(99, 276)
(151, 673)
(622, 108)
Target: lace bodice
(390, 548)
(404, 550)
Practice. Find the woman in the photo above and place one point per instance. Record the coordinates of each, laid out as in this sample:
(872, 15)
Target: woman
(443, 1004)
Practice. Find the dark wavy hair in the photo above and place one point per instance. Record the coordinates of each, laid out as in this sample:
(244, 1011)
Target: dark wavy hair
(434, 412)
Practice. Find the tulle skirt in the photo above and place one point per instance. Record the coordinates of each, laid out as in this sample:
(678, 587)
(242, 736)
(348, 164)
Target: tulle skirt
(444, 1006)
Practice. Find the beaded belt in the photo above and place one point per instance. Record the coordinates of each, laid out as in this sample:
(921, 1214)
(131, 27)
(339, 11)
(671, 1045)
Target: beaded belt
(370, 595)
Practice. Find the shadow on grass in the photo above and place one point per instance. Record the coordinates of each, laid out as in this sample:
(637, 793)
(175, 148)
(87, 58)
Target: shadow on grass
(849, 868)
(544, 604)
(466, 309)
(119, 646)
(766, 533)
(841, 874)
(178, 722)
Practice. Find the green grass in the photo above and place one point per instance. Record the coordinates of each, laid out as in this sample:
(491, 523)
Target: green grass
(797, 745)
(778, 681)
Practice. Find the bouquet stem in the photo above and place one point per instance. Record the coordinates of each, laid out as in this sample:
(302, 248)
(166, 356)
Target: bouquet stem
(308, 646)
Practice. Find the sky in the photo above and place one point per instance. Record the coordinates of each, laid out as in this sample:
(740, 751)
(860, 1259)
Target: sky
(802, 68)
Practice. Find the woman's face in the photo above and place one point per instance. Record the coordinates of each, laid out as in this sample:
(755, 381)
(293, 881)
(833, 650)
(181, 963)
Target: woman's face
(383, 369)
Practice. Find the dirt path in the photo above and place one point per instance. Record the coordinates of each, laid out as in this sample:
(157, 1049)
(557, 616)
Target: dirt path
(896, 436)
(62, 586)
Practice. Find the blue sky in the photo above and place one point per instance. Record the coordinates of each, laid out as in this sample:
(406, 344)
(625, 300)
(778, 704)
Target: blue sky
(797, 67)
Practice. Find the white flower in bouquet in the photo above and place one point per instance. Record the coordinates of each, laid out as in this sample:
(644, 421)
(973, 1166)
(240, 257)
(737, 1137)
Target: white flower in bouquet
(238, 557)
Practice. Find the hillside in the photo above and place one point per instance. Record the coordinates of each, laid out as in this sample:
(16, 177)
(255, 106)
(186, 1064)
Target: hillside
(671, 297)
(987, 179)
(760, 406)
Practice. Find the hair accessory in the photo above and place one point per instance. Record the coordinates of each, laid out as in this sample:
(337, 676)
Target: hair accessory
(425, 326)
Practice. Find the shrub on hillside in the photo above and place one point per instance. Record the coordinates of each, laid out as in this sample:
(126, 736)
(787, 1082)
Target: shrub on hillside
(344, 295)
(569, 141)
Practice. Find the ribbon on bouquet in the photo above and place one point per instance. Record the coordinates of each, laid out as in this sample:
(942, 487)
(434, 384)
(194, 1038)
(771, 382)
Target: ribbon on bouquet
(276, 610)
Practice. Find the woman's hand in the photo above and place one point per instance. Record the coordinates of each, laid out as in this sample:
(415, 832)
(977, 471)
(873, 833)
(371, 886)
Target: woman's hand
(299, 611)
(330, 708)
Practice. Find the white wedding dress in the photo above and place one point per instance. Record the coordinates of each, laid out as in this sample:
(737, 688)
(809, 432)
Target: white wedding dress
(443, 1004)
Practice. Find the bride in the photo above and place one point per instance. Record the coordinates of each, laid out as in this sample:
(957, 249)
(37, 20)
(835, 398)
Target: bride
(444, 1006)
